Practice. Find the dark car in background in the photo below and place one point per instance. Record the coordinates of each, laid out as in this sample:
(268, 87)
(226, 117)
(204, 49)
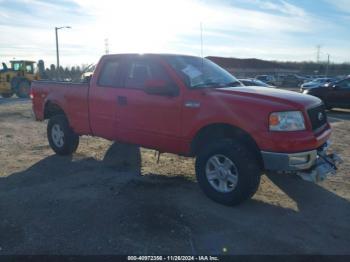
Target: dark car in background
(316, 83)
(335, 94)
(292, 80)
(268, 79)
(254, 82)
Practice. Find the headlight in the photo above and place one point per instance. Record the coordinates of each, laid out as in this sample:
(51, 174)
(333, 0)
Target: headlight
(286, 121)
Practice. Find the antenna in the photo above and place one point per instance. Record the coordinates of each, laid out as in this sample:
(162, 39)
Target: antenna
(106, 46)
(201, 28)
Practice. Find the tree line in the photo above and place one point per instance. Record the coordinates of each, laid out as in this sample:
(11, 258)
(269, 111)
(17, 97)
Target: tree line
(73, 73)
(313, 68)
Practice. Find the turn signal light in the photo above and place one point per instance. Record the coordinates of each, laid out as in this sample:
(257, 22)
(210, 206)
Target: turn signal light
(274, 120)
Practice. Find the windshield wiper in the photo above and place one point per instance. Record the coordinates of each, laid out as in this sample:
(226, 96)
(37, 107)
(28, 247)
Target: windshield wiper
(232, 84)
(217, 84)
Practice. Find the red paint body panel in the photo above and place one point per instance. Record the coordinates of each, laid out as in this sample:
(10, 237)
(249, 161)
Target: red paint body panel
(165, 123)
(71, 98)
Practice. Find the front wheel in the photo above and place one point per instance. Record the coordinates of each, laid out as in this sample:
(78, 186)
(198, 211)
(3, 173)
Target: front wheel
(228, 172)
(329, 107)
(61, 136)
(23, 89)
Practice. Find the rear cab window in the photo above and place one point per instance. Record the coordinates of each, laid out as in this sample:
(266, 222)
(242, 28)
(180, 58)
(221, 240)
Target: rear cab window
(111, 74)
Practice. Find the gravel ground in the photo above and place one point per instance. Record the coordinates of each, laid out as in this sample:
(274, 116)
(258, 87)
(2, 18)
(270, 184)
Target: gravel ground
(115, 199)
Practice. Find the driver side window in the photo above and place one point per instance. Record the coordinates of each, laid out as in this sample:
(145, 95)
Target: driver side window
(142, 69)
(138, 73)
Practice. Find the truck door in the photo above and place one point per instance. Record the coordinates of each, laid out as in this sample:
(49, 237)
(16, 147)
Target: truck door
(103, 95)
(340, 94)
(150, 120)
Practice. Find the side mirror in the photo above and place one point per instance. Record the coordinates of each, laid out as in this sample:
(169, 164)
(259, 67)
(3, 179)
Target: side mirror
(335, 87)
(159, 87)
(87, 79)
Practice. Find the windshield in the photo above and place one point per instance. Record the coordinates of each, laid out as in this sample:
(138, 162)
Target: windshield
(23, 66)
(199, 72)
(17, 66)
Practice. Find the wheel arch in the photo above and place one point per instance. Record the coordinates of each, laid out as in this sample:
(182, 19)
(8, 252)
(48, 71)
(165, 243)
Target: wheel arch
(216, 131)
(52, 108)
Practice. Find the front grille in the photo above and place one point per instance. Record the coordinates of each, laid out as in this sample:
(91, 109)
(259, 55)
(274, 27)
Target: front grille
(317, 116)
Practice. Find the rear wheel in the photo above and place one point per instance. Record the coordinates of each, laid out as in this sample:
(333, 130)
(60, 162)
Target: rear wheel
(23, 89)
(61, 136)
(228, 172)
(7, 95)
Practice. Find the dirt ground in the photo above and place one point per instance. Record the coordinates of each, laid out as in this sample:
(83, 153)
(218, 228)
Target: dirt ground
(115, 199)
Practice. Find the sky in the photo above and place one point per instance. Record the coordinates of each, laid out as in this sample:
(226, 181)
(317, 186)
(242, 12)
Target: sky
(266, 29)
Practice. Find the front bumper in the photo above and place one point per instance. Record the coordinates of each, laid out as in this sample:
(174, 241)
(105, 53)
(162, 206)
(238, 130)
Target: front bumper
(289, 162)
(314, 165)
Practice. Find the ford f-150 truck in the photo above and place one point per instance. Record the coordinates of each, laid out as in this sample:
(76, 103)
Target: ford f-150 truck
(190, 106)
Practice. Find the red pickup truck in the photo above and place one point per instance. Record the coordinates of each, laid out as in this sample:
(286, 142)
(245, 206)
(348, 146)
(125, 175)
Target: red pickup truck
(192, 107)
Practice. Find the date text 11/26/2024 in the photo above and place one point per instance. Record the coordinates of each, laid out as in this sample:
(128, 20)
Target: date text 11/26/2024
(173, 258)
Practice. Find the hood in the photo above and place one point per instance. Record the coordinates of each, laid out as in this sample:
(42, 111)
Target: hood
(283, 97)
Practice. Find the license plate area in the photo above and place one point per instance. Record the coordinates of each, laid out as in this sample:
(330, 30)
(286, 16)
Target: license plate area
(326, 165)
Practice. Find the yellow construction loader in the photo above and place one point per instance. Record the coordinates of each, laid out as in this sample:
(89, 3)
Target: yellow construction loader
(17, 79)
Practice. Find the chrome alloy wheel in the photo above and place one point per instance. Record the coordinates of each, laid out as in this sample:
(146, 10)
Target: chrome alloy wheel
(57, 135)
(221, 173)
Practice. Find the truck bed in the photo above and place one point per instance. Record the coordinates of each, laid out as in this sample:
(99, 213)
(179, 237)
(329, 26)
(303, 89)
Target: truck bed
(72, 97)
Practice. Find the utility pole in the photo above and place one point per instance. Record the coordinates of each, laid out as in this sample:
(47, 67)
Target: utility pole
(57, 51)
(327, 68)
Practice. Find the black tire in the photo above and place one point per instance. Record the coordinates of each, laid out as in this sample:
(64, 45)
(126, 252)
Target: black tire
(70, 140)
(246, 163)
(328, 107)
(7, 95)
(23, 89)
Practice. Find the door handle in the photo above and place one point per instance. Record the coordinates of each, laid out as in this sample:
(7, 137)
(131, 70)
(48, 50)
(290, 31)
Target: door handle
(122, 100)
